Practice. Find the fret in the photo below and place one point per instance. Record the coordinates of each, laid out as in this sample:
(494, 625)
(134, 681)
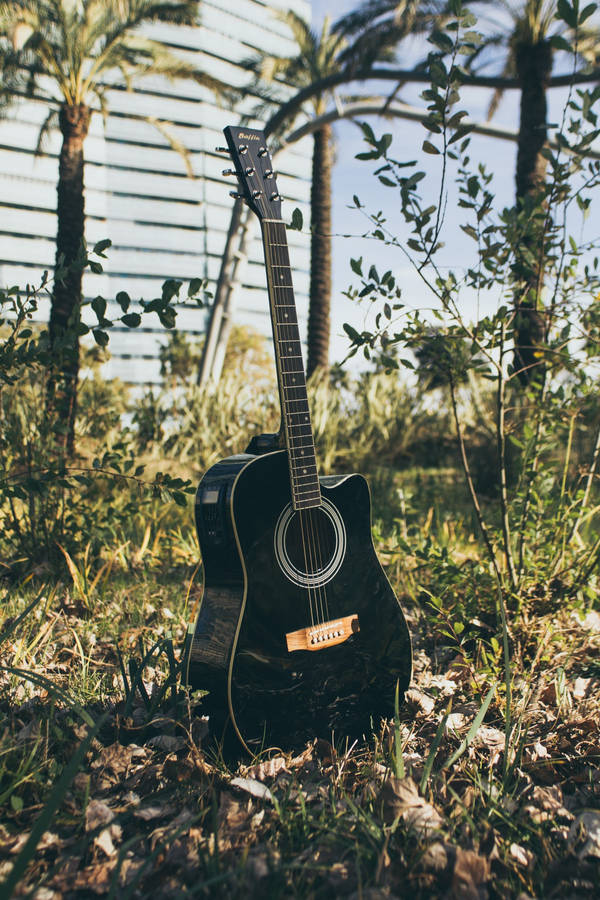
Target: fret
(296, 392)
(306, 494)
(304, 407)
(303, 466)
(299, 444)
(301, 399)
(304, 481)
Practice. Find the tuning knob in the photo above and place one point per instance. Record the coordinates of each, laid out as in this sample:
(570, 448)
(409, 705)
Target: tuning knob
(222, 150)
(236, 195)
(228, 172)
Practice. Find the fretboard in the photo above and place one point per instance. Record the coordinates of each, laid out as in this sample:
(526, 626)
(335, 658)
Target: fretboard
(295, 412)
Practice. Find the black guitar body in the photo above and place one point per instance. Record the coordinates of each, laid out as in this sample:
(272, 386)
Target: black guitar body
(270, 571)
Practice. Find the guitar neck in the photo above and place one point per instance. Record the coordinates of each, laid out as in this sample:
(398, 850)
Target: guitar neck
(295, 413)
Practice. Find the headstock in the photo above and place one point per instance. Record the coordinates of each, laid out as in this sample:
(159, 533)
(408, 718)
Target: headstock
(254, 170)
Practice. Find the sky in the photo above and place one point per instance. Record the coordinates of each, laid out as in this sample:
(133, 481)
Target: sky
(354, 177)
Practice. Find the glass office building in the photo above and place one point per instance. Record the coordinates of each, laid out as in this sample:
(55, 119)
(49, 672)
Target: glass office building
(162, 223)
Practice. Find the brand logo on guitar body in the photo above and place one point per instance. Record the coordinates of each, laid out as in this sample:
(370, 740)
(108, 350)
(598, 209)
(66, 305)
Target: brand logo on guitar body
(248, 137)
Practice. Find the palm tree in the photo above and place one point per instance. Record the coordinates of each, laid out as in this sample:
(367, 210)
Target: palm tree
(319, 56)
(529, 46)
(68, 53)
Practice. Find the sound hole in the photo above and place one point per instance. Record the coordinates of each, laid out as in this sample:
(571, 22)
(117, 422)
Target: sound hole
(310, 540)
(310, 544)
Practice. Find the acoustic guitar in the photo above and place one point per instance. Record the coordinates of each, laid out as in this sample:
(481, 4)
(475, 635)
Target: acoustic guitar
(299, 633)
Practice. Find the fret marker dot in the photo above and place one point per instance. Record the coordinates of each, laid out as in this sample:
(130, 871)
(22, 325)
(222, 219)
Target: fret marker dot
(305, 471)
(289, 349)
(286, 315)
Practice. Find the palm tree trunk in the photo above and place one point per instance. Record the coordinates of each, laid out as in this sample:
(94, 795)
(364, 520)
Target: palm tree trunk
(66, 298)
(534, 66)
(320, 252)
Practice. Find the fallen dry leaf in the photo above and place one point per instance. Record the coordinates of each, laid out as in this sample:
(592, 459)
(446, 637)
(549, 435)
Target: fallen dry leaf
(400, 798)
(270, 768)
(425, 703)
(584, 834)
(471, 872)
(521, 855)
(252, 787)
(97, 813)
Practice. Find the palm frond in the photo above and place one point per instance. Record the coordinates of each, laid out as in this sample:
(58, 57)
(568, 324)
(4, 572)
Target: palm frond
(50, 122)
(164, 128)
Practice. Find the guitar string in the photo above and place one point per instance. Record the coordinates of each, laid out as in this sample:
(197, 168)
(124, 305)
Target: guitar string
(312, 515)
(311, 563)
(269, 252)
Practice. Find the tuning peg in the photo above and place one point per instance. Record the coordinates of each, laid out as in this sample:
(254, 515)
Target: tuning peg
(236, 195)
(270, 173)
(222, 150)
(256, 194)
(228, 172)
(243, 148)
(275, 197)
(262, 151)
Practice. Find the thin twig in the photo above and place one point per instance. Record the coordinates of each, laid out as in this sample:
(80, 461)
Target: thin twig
(501, 443)
(471, 486)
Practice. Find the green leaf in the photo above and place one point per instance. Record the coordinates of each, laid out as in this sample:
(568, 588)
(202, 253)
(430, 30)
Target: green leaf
(100, 337)
(194, 286)
(351, 332)
(132, 320)
(558, 42)
(567, 13)
(587, 11)
(368, 132)
(356, 265)
(428, 147)
(297, 222)
(99, 306)
(123, 299)
(170, 289)
(101, 246)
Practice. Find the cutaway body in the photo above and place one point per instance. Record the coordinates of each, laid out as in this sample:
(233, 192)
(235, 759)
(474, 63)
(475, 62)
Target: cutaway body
(270, 573)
